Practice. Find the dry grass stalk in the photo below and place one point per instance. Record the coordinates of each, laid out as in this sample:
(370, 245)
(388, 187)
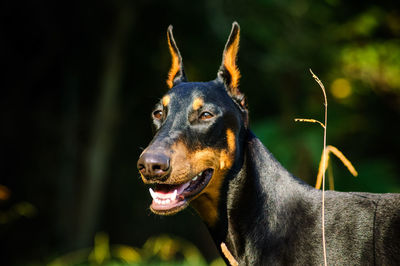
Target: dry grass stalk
(325, 161)
(308, 120)
(342, 158)
(228, 255)
(330, 178)
(323, 166)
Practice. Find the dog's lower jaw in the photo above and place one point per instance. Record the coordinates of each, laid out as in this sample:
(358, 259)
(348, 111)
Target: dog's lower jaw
(205, 206)
(170, 211)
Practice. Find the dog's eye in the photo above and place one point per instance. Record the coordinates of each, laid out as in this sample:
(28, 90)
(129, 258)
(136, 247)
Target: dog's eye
(158, 114)
(205, 115)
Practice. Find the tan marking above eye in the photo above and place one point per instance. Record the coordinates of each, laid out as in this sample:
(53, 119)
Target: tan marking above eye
(197, 103)
(165, 100)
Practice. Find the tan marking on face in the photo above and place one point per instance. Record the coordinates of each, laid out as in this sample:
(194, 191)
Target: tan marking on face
(165, 100)
(226, 158)
(222, 163)
(197, 103)
(188, 163)
(230, 139)
(206, 203)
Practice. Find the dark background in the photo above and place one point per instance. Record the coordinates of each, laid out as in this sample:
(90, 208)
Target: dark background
(80, 78)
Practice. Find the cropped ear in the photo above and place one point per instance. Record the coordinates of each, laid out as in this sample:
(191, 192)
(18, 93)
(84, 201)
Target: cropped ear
(229, 72)
(176, 73)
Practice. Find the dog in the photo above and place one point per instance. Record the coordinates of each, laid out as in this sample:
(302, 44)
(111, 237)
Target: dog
(204, 155)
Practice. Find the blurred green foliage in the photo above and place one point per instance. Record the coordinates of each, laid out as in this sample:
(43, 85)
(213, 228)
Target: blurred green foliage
(161, 250)
(81, 78)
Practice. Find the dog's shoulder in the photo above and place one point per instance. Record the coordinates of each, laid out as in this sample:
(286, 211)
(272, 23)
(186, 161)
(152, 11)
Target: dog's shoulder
(387, 230)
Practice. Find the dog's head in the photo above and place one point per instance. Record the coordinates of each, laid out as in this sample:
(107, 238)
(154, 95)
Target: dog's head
(196, 143)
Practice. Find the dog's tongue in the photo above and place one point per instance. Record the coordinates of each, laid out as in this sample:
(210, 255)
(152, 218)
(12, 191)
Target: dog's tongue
(163, 192)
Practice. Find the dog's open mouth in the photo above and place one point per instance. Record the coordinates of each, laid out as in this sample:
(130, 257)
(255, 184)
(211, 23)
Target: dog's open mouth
(169, 199)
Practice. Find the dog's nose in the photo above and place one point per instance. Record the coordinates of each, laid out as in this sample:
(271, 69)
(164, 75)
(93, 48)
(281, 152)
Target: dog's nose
(153, 166)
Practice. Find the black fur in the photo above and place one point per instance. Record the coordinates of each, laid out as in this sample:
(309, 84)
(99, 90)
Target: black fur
(266, 216)
(275, 219)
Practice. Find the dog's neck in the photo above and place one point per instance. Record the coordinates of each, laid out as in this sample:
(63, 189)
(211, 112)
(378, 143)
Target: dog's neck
(262, 202)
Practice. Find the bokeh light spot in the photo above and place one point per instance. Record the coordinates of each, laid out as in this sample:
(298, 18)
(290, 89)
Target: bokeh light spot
(4, 192)
(341, 88)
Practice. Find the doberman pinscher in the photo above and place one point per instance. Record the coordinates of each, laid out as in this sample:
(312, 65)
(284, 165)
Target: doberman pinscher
(204, 155)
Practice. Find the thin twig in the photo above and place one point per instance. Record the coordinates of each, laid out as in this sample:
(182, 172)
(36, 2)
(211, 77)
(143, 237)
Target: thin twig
(228, 255)
(323, 165)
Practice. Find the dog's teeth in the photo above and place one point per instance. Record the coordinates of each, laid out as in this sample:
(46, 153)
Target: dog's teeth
(163, 199)
(152, 193)
(173, 196)
(197, 176)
